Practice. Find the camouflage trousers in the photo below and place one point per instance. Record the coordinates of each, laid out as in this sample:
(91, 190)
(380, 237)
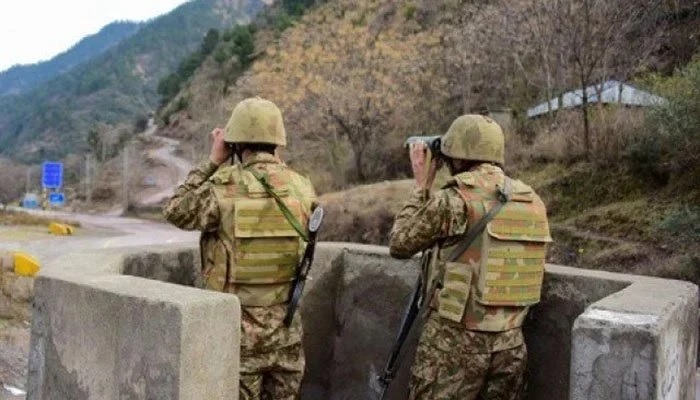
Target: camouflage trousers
(453, 363)
(272, 357)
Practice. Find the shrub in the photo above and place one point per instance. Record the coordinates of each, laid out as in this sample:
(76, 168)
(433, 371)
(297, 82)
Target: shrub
(683, 222)
(672, 131)
(409, 11)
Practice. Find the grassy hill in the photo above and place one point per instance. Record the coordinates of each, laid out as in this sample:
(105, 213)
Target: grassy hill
(21, 78)
(54, 119)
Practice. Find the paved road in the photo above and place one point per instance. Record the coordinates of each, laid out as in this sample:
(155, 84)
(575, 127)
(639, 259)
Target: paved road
(95, 232)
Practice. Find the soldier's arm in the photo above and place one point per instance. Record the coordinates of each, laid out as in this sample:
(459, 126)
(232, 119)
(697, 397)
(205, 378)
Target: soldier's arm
(425, 219)
(194, 206)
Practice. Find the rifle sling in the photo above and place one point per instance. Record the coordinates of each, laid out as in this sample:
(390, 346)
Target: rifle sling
(283, 207)
(476, 230)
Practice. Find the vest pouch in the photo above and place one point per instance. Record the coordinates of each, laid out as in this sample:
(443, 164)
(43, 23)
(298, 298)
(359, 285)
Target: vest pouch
(215, 262)
(455, 291)
(267, 250)
(513, 256)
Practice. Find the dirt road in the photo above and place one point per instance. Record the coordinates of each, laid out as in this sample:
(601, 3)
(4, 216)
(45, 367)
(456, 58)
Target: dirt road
(172, 170)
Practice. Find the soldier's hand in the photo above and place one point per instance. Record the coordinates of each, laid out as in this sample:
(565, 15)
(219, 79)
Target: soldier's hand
(424, 176)
(220, 152)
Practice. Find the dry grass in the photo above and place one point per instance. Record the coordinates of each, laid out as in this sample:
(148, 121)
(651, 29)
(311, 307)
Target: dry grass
(363, 214)
(26, 219)
(561, 139)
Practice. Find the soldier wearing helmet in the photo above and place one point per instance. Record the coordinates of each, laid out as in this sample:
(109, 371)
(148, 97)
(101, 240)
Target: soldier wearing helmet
(250, 246)
(472, 346)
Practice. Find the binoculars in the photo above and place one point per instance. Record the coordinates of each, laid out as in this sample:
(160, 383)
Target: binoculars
(431, 142)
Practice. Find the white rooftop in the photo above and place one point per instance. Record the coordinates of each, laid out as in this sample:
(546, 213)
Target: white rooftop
(611, 92)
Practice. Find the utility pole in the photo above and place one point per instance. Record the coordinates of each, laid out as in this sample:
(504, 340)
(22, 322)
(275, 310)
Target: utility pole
(28, 185)
(125, 177)
(88, 179)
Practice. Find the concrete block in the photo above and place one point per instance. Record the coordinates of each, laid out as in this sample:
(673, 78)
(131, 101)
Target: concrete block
(181, 266)
(639, 343)
(548, 327)
(107, 336)
(374, 293)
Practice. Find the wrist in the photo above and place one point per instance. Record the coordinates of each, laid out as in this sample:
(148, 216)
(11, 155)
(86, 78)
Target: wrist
(216, 160)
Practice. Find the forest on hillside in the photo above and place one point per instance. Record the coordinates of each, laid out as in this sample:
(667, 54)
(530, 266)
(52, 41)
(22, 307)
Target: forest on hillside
(355, 78)
(119, 87)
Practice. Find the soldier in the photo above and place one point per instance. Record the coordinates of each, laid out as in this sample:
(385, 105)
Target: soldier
(471, 346)
(250, 245)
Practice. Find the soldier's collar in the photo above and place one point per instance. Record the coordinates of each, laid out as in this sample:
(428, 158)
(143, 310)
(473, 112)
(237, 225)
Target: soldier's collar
(486, 168)
(261, 157)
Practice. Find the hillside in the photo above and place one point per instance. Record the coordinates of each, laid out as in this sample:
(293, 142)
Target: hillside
(354, 78)
(54, 119)
(21, 78)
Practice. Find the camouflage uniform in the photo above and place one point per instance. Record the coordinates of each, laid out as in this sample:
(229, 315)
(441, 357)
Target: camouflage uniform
(480, 353)
(272, 359)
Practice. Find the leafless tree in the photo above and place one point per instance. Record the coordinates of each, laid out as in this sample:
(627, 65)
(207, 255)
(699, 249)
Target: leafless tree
(599, 37)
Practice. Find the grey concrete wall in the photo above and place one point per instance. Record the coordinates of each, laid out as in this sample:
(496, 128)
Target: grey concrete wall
(101, 331)
(97, 334)
(352, 310)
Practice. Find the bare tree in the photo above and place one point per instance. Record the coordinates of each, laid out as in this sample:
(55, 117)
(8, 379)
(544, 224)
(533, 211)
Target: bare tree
(12, 180)
(599, 38)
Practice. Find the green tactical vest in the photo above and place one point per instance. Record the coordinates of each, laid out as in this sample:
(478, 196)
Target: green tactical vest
(258, 250)
(492, 284)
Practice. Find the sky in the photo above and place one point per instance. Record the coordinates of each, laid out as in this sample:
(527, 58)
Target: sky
(36, 30)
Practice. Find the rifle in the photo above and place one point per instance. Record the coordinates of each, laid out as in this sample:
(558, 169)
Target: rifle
(304, 265)
(408, 324)
(419, 306)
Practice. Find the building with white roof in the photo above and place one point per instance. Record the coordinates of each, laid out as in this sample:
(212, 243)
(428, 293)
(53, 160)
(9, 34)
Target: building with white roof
(609, 92)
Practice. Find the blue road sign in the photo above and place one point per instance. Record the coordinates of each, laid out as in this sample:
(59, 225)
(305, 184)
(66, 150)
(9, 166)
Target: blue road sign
(56, 199)
(52, 175)
(30, 201)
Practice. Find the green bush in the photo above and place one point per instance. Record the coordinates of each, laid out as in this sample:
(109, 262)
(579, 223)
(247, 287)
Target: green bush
(672, 137)
(221, 55)
(283, 21)
(409, 11)
(683, 222)
(243, 44)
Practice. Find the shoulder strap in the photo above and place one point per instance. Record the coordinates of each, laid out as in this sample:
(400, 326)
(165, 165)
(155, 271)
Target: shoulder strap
(504, 195)
(293, 221)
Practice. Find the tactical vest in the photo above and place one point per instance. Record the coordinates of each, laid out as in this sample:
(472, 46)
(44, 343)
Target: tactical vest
(258, 250)
(492, 284)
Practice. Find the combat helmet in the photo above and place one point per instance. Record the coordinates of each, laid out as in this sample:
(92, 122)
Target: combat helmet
(474, 137)
(256, 120)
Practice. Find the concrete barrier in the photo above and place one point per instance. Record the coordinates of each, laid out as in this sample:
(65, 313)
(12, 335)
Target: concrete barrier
(100, 334)
(595, 335)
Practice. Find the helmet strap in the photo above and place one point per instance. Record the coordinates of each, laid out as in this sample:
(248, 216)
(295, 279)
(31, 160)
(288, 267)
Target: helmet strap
(235, 153)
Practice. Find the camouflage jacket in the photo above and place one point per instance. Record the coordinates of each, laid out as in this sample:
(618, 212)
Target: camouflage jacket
(195, 206)
(440, 219)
